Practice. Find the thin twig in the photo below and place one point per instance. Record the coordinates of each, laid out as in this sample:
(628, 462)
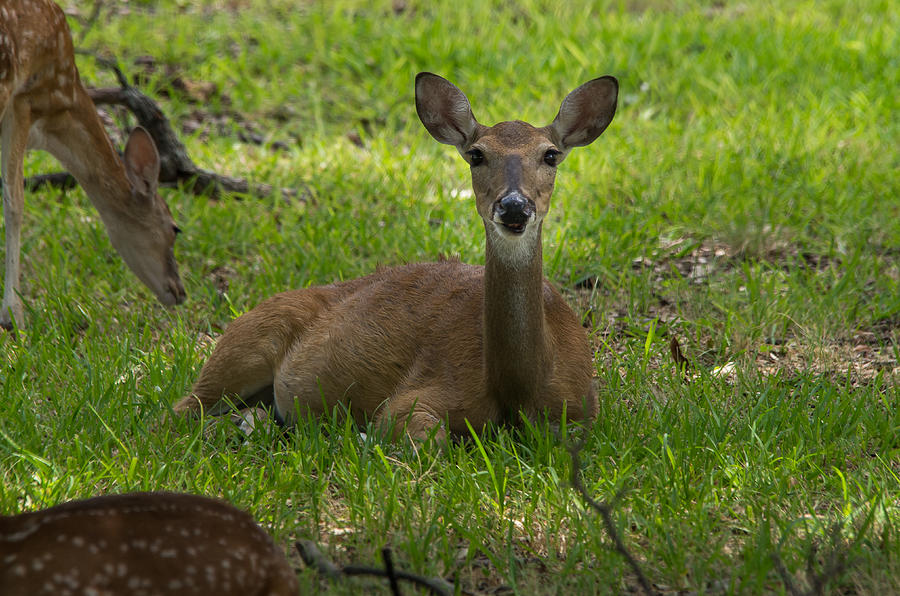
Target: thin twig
(435, 584)
(90, 21)
(835, 563)
(605, 510)
(785, 575)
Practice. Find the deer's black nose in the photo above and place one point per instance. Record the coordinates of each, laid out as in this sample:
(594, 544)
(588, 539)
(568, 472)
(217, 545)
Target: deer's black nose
(514, 211)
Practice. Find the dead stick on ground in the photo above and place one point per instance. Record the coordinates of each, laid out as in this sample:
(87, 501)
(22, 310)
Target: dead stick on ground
(313, 557)
(605, 511)
(389, 568)
(63, 180)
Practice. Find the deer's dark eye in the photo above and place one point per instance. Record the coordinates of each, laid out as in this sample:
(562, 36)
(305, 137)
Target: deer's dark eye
(476, 157)
(551, 157)
(176, 229)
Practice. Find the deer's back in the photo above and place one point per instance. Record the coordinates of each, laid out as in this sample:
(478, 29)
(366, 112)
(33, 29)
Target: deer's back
(30, 64)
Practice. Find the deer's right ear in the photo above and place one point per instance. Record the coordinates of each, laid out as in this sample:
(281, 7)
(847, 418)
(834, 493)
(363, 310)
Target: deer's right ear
(444, 110)
(585, 113)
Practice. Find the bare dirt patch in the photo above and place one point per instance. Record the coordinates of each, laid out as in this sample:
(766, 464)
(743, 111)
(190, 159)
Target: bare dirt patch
(858, 357)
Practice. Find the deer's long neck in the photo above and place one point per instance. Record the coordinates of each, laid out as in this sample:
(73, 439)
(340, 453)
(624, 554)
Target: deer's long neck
(77, 139)
(516, 354)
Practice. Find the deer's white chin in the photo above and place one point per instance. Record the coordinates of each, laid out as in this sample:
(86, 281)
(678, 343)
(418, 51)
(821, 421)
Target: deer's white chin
(514, 247)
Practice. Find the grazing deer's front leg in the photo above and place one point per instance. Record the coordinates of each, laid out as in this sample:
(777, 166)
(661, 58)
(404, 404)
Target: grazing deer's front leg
(13, 139)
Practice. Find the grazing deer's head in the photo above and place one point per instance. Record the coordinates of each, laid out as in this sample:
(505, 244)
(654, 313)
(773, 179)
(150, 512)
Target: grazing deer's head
(145, 236)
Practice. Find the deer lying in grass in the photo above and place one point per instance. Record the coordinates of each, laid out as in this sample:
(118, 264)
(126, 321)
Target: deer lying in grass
(43, 105)
(141, 543)
(435, 344)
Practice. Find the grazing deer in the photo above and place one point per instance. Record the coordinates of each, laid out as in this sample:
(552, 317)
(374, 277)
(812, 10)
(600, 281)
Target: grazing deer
(43, 105)
(432, 345)
(141, 543)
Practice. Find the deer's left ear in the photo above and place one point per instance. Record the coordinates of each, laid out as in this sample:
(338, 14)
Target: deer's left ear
(585, 113)
(142, 162)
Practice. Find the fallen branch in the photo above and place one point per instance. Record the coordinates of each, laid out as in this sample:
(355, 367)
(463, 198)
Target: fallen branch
(313, 557)
(605, 510)
(62, 180)
(176, 166)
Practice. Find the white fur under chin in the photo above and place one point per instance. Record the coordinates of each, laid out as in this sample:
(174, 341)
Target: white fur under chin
(515, 250)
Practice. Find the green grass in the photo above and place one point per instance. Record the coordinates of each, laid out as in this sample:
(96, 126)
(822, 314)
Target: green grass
(743, 201)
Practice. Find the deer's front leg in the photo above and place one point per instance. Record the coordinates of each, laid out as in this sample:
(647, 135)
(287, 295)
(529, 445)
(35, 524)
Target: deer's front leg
(13, 140)
(415, 413)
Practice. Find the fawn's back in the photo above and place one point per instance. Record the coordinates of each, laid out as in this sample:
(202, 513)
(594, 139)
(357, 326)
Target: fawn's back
(141, 543)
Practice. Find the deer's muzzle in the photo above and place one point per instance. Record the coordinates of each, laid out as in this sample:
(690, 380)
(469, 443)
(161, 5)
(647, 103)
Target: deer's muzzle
(514, 212)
